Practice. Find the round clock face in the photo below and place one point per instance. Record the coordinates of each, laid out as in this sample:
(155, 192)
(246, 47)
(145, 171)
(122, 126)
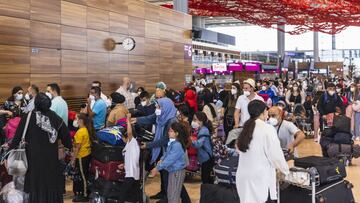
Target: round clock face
(129, 44)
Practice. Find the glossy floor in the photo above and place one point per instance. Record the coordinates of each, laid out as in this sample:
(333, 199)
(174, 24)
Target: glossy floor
(308, 147)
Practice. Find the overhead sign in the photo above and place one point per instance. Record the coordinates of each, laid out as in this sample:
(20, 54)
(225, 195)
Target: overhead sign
(219, 67)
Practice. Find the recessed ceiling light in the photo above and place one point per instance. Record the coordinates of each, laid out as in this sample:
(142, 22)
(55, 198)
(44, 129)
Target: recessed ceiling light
(223, 21)
(211, 17)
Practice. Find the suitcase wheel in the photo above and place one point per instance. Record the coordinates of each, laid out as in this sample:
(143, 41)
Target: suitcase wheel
(321, 198)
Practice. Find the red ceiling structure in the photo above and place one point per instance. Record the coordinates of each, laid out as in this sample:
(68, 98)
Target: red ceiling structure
(327, 16)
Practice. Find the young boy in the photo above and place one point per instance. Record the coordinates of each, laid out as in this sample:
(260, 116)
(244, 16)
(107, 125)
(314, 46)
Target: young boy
(131, 153)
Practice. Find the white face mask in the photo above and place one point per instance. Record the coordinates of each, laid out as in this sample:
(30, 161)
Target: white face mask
(143, 103)
(263, 88)
(92, 97)
(49, 95)
(138, 93)
(233, 91)
(27, 96)
(273, 121)
(177, 113)
(338, 90)
(331, 93)
(75, 123)
(195, 125)
(201, 89)
(158, 112)
(19, 97)
(352, 89)
(247, 93)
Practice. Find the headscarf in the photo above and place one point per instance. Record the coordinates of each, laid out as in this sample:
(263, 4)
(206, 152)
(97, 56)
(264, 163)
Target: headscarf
(190, 98)
(168, 112)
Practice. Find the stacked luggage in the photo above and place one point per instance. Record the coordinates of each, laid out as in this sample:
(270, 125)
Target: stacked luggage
(317, 180)
(225, 189)
(107, 154)
(336, 141)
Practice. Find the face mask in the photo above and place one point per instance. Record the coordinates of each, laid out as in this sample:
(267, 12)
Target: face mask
(352, 89)
(338, 90)
(331, 93)
(177, 113)
(195, 125)
(233, 91)
(75, 123)
(143, 103)
(320, 88)
(246, 93)
(158, 112)
(263, 88)
(273, 121)
(18, 97)
(27, 96)
(49, 95)
(92, 97)
(139, 93)
(201, 89)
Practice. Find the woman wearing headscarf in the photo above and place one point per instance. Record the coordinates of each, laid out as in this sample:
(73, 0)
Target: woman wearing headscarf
(191, 102)
(118, 109)
(164, 116)
(43, 180)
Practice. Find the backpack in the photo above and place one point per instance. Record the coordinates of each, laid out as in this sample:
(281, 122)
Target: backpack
(10, 128)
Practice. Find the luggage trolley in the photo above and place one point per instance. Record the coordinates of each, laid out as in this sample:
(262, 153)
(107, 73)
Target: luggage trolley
(304, 178)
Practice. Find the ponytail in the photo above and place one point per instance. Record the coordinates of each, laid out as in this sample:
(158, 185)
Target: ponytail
(256, 108)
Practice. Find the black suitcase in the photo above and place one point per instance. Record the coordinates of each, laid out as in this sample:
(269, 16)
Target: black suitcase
(343, 138)
(105, 188)
(211, 193)
(338, 192)
(106, 153)
(342, 124)
(329, 169)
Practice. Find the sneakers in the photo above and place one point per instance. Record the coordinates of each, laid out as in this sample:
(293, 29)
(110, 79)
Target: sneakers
(80, 198)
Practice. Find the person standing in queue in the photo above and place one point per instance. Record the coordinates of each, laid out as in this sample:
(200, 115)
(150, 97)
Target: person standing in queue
(241, 114)
(259, 157)
(98, 111)
(58, 104)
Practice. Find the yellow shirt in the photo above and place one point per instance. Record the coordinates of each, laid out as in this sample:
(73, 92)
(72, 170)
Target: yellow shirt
(82, 137)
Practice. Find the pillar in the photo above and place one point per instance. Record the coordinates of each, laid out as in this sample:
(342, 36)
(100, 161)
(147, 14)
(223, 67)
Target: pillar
(316, 47)
(198, 22)
(181, 5)
(281, 46)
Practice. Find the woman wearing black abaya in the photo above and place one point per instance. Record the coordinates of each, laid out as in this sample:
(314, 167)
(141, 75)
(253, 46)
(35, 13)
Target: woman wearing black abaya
(43, 181)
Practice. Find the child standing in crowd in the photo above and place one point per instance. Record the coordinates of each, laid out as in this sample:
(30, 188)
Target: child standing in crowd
(203, 145)
(131, 153)
(174, 161)
(81, 157)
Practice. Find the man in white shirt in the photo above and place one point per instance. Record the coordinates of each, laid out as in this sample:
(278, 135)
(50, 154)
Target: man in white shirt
(124, 90)
(289, 135)
(102, 96)
(241, 114)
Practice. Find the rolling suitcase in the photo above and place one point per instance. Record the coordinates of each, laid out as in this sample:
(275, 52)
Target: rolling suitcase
(336, 192)
(211, 193)
(105, 153)
(329, 169)
(105, 188)
(108, 171)
(225, 171)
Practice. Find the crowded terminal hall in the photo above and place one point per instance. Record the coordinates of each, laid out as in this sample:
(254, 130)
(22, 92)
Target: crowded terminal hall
(179, 101)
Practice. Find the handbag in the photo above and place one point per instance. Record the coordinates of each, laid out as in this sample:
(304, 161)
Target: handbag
(17, 163)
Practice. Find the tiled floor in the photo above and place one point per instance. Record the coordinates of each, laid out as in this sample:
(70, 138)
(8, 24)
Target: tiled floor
(308, 147)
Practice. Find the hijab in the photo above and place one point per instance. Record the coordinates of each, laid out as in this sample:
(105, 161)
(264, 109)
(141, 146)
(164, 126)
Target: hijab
(168, 112)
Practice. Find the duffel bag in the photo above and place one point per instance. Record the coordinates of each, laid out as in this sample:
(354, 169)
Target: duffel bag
(342, 124)
(328, 132)
(112, 135)
(108, 171)
(225, 171)
(106, 188)
(329, 169)
(104, 152)
(342, 138)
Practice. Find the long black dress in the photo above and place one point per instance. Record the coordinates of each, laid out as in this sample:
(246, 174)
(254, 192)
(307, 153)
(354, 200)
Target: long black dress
(43, 180)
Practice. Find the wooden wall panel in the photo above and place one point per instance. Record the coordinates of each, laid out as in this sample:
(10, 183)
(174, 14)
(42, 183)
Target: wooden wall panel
(38, 37)
(98, 62)
(46, 61)
(136, 26)
(67, 42)
(97, 19)
(96, 40)
(18, 8)
(73, 38)
(14, 31)
(14, 59)
(119, 63)
(46, 10)
(101, 4)
(119, 23)
(73, 14)
(73, 62)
